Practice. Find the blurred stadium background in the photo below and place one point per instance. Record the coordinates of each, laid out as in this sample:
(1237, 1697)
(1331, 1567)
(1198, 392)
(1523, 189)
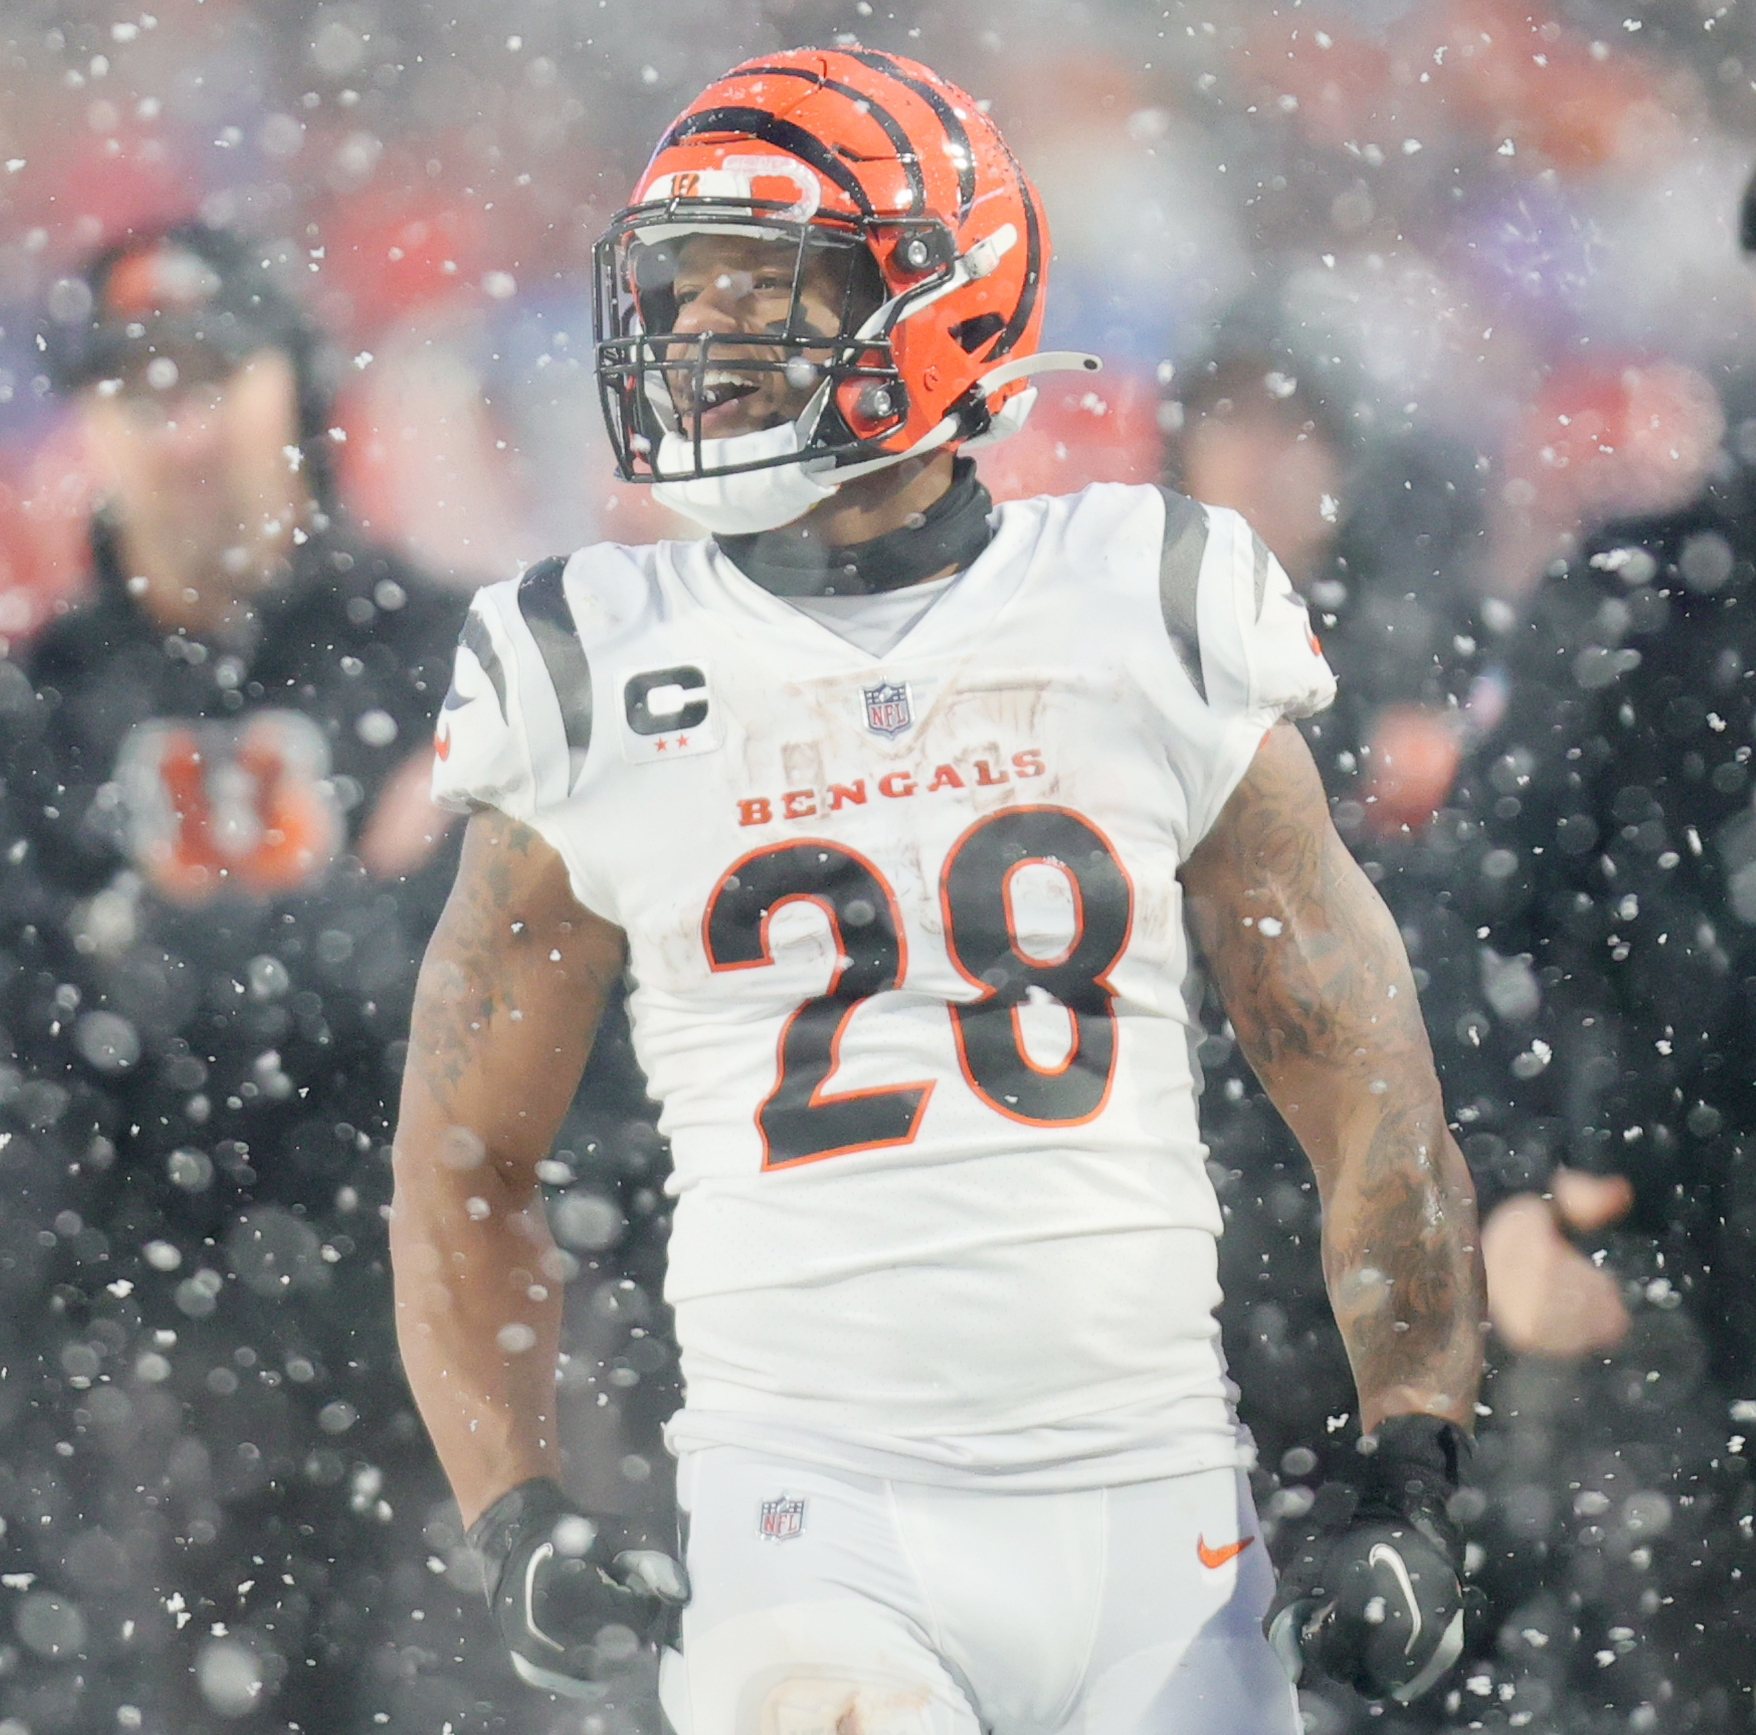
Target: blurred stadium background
(1504, 229)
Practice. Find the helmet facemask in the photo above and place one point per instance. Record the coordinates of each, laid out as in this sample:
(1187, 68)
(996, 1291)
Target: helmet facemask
(823, 365)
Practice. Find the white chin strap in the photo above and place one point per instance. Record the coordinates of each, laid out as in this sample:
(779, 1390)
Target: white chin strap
(750, 501)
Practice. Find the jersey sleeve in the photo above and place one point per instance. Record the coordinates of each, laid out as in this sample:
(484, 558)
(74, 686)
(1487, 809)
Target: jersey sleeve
(480, 755)
(515, 724)
(1245, 641)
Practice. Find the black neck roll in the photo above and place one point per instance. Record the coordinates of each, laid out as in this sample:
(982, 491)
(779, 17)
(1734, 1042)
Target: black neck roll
(947, 536)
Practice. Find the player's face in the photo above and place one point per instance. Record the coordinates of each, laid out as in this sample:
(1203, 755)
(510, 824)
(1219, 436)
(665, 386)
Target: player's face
(737, 284)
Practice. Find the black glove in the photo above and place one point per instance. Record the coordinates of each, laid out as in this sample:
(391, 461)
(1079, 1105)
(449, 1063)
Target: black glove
(1373, 1593)
(575, 1604)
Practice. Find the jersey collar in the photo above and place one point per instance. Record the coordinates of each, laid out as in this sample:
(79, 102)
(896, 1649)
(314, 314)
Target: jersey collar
(948, 536)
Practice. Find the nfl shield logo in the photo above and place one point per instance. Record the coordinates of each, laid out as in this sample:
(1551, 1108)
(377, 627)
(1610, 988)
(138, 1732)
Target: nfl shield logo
(888, 711)
(782, 1517)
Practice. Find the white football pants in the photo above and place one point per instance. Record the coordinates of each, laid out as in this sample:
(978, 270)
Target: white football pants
(826, 1603)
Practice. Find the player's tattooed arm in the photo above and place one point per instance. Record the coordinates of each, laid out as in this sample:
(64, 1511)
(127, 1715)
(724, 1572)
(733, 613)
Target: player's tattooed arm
(1315, 980)
(509, 995)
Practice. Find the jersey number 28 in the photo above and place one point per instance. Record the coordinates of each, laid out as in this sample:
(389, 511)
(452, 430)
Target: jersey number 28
(799, 1120)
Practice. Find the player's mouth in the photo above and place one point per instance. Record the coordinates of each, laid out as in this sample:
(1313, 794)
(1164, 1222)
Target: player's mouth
(722, 407)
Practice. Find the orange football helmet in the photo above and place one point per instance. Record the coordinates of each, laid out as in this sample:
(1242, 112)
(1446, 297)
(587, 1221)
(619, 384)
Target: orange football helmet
(940, 249)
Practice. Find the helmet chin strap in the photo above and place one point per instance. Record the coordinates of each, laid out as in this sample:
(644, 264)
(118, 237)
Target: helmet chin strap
(745, 502)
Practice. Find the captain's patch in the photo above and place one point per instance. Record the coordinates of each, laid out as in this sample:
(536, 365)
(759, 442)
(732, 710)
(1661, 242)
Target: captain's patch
(668, 714)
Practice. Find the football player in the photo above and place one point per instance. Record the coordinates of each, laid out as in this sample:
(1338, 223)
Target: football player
(899, 809)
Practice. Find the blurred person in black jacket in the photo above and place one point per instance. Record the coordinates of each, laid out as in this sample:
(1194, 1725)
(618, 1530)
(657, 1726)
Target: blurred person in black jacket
(217, 766)
(1597, 1049)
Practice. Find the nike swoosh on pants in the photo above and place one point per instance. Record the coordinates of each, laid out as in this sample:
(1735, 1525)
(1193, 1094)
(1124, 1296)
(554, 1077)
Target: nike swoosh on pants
(1219, 1556)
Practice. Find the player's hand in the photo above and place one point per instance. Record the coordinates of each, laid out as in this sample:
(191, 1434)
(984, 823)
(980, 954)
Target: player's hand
(1373, 1595)
(1545, 1296)
(575, 1604)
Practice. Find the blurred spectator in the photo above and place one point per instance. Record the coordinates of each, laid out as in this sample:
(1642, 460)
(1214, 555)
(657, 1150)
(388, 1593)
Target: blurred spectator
(1380, 541)
(1256, 432)
(1600, 1070)
(220, 785)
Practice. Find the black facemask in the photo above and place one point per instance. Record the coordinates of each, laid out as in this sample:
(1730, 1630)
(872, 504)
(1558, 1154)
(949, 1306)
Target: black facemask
(948, 535)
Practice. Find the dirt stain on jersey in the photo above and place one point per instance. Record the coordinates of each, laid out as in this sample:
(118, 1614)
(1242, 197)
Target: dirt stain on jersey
(828, 1707)
(801, 765)
(1010, 704)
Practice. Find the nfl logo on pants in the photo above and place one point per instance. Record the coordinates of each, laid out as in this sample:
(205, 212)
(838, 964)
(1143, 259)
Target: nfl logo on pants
(888, 711)
(782, 1517)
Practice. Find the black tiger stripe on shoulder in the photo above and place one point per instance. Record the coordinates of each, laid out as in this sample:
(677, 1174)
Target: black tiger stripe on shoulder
(479, 642)
(1179, 580)
(1260, 557)
(542, 600)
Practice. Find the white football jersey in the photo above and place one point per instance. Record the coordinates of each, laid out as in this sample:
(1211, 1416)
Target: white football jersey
(908, 959)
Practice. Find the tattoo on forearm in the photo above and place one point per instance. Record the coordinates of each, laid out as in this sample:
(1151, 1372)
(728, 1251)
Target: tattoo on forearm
(1401, 1260)
(1318, 989)
(472, 989)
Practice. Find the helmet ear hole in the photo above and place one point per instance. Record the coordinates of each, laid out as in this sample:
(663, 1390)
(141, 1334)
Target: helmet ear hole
(972, 333)
(871, 407)
(920, 251)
